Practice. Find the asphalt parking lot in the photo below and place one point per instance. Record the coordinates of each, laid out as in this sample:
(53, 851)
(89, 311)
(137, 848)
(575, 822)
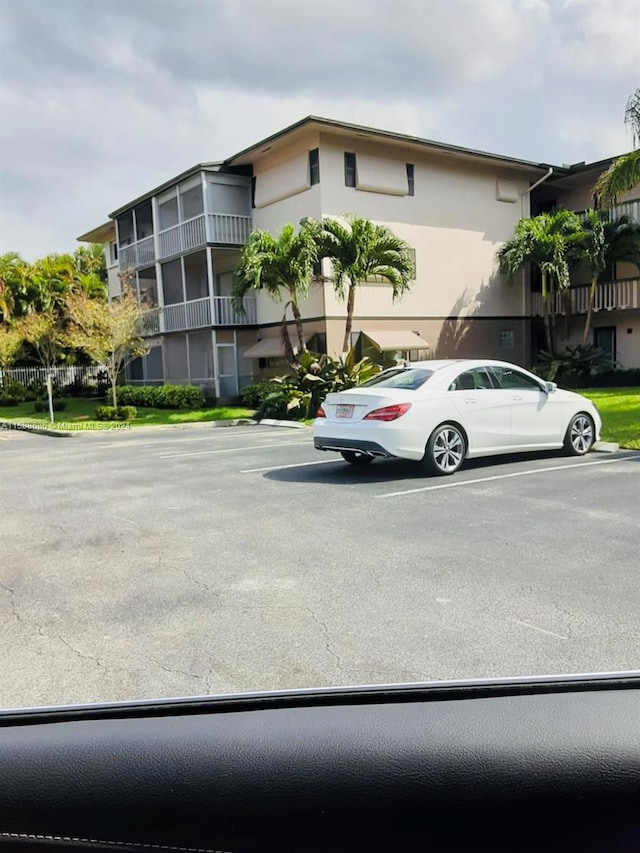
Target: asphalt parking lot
(187, 562)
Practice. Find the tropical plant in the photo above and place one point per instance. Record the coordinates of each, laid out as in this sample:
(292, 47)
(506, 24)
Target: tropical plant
(280, 265)
(311, 378)
(108, 332)
(361, 250)
(574, 366)
(605, 242)
(549, 241)
(624, 173)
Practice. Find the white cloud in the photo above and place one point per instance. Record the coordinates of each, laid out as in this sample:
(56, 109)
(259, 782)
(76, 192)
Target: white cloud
(100, 108)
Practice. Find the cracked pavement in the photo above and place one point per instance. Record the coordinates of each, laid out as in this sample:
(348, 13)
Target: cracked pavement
(164, 564)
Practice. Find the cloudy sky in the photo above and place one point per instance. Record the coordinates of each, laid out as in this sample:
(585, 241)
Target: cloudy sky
(102, 99)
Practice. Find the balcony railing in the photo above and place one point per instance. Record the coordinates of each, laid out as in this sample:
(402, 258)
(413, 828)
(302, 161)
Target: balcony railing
(225, 228)
(140, 254)
(624, 208)
(609, 296)
(229, 228)
(196, 314)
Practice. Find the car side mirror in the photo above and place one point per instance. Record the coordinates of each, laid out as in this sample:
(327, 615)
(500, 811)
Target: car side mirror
(550, 387)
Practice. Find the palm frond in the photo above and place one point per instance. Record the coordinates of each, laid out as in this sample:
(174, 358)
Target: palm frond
(623, 175)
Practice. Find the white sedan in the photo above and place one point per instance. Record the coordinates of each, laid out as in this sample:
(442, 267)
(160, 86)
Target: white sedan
(442, 412)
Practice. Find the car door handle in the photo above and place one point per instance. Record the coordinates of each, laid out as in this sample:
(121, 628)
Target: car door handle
(516, 397)
(470, 400)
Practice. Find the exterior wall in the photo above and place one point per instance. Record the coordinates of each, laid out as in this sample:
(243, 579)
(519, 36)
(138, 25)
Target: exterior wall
(455, 224)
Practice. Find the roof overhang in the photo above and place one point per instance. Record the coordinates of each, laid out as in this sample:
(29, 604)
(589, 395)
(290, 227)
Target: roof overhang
(199, 167)
(266, 348)
(395, 340)
(316, 123)
(102, 234)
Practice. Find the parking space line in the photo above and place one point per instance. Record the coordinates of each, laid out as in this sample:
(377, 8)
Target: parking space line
(230, 449)
(220, 432)
(535, 628)
(477, 480)
(295, 465)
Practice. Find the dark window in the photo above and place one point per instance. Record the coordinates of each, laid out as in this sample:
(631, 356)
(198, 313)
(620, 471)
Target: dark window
(477, 379)
(349, 169)
(410, 179)
(605, 338)
(546, 206)
(317, 269)
(314, 167)
(253, 191)
(513, 380)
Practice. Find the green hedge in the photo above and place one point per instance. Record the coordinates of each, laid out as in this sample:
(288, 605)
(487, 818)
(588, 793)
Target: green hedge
(159, 396)
(116, 413)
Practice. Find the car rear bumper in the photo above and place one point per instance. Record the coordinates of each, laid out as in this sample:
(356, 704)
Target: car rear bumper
(371, 448)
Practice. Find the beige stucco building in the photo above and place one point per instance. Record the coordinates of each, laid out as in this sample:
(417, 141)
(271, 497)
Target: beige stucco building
(455, 207)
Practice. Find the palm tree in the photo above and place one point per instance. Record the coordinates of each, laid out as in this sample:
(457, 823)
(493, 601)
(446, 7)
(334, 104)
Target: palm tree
(624, 173)
(605, 242)
(359, 250)
(549, 241)
(283, 263)
(621, 176)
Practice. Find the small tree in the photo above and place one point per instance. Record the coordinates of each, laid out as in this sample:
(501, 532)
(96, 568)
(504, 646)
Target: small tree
(109, 333)
(48, 340)
(624, 173)
(10, 346)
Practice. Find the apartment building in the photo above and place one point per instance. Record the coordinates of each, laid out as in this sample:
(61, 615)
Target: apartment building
(181, 241)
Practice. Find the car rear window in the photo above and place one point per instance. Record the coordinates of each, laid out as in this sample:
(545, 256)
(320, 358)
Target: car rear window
(400, 377)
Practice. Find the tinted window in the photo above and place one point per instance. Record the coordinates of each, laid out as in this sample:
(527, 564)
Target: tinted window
(513, 379)
(410, 179)
(400, 377)
(349, 169)
(472, 380)
(314, 167)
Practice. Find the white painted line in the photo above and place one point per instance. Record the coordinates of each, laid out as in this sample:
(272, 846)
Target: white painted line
(184, 439)
(459, 483)
(541, 630)
(230, 450)
(296, 465)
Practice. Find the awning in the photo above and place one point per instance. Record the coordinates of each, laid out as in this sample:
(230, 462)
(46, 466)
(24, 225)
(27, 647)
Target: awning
(266, 348)
(396, 340)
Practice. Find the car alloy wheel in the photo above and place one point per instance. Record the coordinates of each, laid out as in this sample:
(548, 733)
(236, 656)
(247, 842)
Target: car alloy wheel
(580, 435)
(445, 450)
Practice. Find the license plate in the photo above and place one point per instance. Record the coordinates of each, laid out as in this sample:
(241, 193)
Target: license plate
(344, 411)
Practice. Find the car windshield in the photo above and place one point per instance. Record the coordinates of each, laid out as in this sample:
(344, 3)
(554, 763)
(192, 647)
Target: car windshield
(409, 378)
(312, 373)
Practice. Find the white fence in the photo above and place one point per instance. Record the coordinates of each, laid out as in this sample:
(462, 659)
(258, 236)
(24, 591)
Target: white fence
(72, 374)
(609, 296)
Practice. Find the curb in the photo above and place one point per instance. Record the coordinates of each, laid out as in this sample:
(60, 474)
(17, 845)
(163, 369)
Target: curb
(606, 447)
(285, 424)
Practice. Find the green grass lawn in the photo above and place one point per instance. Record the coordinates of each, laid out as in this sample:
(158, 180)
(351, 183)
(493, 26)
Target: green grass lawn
(620, 412)
(83, 411)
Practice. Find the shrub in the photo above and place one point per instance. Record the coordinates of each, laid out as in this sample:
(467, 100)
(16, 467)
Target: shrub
(43, 406)
(9, 401)
(14, 390)
(276, 405)
(252, 396)
(116, 413)
(616, 378)
(159, 396)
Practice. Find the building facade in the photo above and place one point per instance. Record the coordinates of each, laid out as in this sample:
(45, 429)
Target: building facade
(179, 244)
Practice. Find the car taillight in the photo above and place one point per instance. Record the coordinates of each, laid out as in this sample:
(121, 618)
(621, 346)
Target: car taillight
(388, 413)
(321, 413)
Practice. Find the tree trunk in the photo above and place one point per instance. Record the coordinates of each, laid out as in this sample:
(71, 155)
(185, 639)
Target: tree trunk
(545, 313)
(285, 338)
(50, 395)
(589, 317)
(302, 345)
(346, 344)
(113, 376)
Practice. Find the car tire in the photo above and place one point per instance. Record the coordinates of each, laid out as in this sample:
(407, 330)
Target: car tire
(445, 450)
(580, 435)
(355, 458)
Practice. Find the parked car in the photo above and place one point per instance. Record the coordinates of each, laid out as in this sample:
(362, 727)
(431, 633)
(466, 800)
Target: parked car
(440, 413)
